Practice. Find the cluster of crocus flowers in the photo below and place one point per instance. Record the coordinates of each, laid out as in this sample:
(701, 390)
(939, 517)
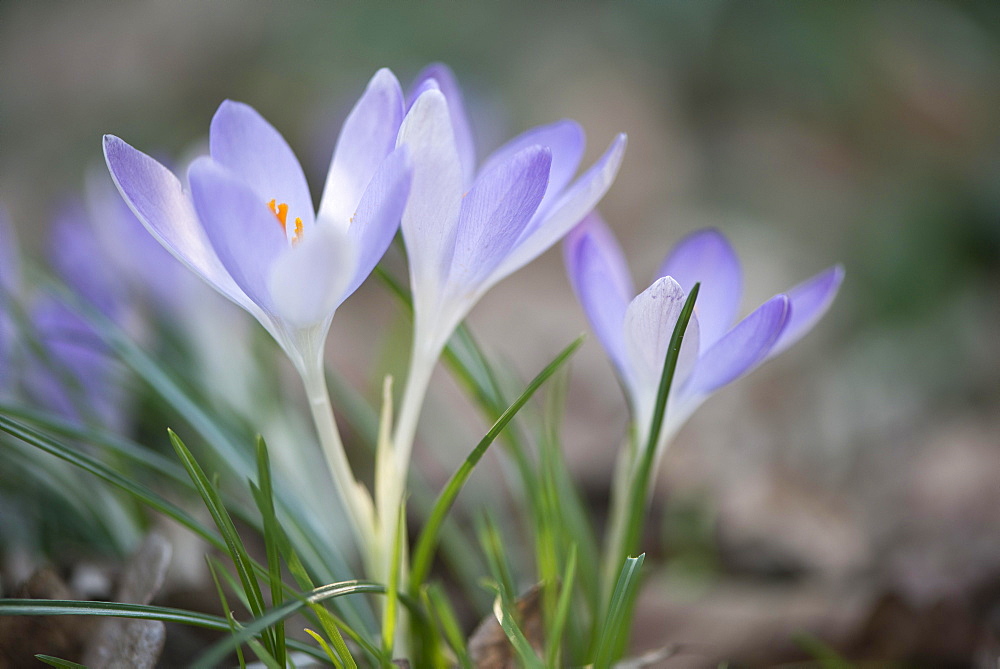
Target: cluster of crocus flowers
(244, 222)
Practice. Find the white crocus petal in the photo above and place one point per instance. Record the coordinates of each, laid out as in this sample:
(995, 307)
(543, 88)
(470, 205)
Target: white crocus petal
(649, 324)
(435, 193)
(308, 280)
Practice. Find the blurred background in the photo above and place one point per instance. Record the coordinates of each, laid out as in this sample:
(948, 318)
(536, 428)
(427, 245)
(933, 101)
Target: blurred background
(847, 492)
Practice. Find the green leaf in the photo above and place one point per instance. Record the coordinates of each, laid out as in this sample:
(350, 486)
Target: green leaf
(69, 607)
(234, 545)
(75, 457)
(440, 609)
(558, 624)
(334, 657)
(427, 541)
(640, 481)
(618, 623)
(233, 625)
(218, 652)
(525, 653)
(61, 664)
(264, 496)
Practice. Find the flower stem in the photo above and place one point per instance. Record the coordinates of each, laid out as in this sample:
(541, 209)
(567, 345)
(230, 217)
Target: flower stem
(353, 496)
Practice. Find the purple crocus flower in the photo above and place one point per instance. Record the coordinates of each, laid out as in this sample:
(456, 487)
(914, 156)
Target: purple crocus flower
(247, 224)
(635, 331)
(466, 230)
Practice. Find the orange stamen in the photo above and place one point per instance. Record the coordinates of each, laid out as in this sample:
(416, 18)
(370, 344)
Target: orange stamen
(280, 212)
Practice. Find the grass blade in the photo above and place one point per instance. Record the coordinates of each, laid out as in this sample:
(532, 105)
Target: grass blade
(526, 654)
(218, 652)
(234, 545)
(617, 625)
(640, 481)
(447, 622)
(60, 664)
(264, 495)
(89, 464)
(427, 541)
(558, 624)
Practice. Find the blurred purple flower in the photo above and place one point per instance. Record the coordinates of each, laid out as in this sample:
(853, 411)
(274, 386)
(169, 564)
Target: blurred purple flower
(248, 227)
(81, 261)
(149, 274)
(635, 332)
(466, 230)
(78, 376)
(10, 280)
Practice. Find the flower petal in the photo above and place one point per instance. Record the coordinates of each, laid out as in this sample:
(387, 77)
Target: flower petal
(367, 137)
(809, 301)
(442, 75)
(565, 139)
(377, 219)
(306, 282)
(435, 192)
(244, 143)
(495, 211)
(156, 197)
(545, 229)
(649, 324)
(741, 349)
(247, 237)
(706, 256)
(600, 277)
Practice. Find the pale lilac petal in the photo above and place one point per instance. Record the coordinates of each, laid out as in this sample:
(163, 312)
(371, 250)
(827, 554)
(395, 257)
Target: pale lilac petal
(373, 227)
(441, 74)
(808, 301)
(544, 230)
(740, 350)
(706, 257)
(244, 143)
(245, 234)
(600, 277)
(435, 192)
(367, 137)
(565, 139)
(307, 281)
(650, 320)
(156, 197)
(495, 211)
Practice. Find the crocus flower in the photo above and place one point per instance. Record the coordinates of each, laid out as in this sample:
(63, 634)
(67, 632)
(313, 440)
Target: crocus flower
(247, 223)
(466, 230)
(635, 331)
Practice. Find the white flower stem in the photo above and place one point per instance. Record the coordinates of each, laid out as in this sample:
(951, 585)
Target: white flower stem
(417, 380)
(352, 495)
